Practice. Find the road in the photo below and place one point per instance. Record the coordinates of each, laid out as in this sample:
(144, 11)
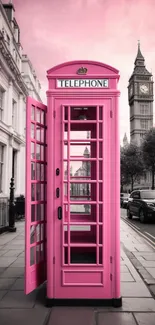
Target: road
(147, 231)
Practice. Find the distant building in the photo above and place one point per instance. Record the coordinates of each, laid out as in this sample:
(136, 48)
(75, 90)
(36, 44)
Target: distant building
(30, 78)
(83, 171)
(17, 80)
(125, 140)
(140, 95)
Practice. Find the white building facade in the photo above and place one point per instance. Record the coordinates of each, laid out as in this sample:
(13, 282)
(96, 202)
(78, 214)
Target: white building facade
(17, 80)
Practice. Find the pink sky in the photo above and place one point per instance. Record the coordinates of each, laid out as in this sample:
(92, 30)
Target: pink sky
(55, 31)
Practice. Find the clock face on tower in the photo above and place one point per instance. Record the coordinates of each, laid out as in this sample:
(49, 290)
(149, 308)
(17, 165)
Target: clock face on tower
(144, 88)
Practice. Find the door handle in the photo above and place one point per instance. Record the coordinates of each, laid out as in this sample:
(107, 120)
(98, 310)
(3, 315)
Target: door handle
(57, 192)
(59, 213)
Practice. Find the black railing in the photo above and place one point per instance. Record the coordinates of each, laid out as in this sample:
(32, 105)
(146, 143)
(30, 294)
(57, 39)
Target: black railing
(19, 207)
(11, 210)
(4, 214)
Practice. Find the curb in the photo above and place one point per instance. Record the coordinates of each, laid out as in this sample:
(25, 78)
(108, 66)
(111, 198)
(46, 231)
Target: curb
(144, 274)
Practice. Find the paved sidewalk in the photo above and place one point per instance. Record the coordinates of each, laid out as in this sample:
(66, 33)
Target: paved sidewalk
(138, 303)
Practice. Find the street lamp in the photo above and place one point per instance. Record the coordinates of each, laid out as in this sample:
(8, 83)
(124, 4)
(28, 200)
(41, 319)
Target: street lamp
(12, 227)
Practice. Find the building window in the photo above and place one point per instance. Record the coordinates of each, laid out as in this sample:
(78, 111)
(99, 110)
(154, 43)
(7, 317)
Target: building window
(144, 124)
(1, 165)
(14, 114)
(14, 166)
(1, 104)
(143, 109)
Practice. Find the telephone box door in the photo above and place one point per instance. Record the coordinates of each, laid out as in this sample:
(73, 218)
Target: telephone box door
(35, 200)
(82, 205)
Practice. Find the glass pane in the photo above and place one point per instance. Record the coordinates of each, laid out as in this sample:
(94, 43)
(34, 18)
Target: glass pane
(100, 130)
(32, 192)
(65, 234)
(37, 132)
(37, 233)
(80, 191)
(66, 113)
(65, 255)
(100, 170)
(37, 254)
(32, 255)
(42, 232)
(83, 135)
(100, 149)
(42, 116)
(100, 255)
(38, 192)
(82, 213)
(32, 235)
(65, 171)
(101, 113)
(38, 167)
(42, 172)
(78, 150)
(83, 234)
(32, 131)
(80, 208)
(100, 192)
(38, 115)
(32, 150)
(42, 134)
(32, 212)
(42, 149)
(38, 212)
(42, 257)
(32, 170)
(42, 192)
(38, 155)
(83, 255)
(100, 235)
(81, 169)
(32, 113)
(100, 212)
(42, 212)
(83, 113)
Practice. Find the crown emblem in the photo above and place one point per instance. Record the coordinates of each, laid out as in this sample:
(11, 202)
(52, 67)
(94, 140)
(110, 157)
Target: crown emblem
(82, 70)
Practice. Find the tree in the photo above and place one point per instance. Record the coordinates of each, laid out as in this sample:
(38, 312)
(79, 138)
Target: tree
(148, 152)
(132, 166)
(125, 180)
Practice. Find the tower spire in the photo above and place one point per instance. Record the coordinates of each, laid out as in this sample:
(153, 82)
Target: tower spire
(139, 56)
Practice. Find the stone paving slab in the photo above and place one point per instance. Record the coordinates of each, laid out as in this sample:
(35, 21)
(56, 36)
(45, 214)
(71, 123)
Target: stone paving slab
(7, 261)
(18, 284)
(115, 318)
(72, 316)
(17, 299)
(12, 252)
(18, 262)
(135, 290)
(145, 319)
(12, 272)
(132, 305)
(6, 284)
(2, 294)
(151, 270)
(24, 316)
(127, 277)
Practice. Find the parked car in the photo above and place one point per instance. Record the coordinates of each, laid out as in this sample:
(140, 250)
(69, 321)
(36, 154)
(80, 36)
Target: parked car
(123, 196)
(141, 204)
(125, 201)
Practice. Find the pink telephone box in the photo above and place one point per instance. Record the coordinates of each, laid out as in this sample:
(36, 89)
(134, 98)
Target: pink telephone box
(73, 187)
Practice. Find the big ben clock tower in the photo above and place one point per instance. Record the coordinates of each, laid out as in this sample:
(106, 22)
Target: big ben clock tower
(140, 95)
